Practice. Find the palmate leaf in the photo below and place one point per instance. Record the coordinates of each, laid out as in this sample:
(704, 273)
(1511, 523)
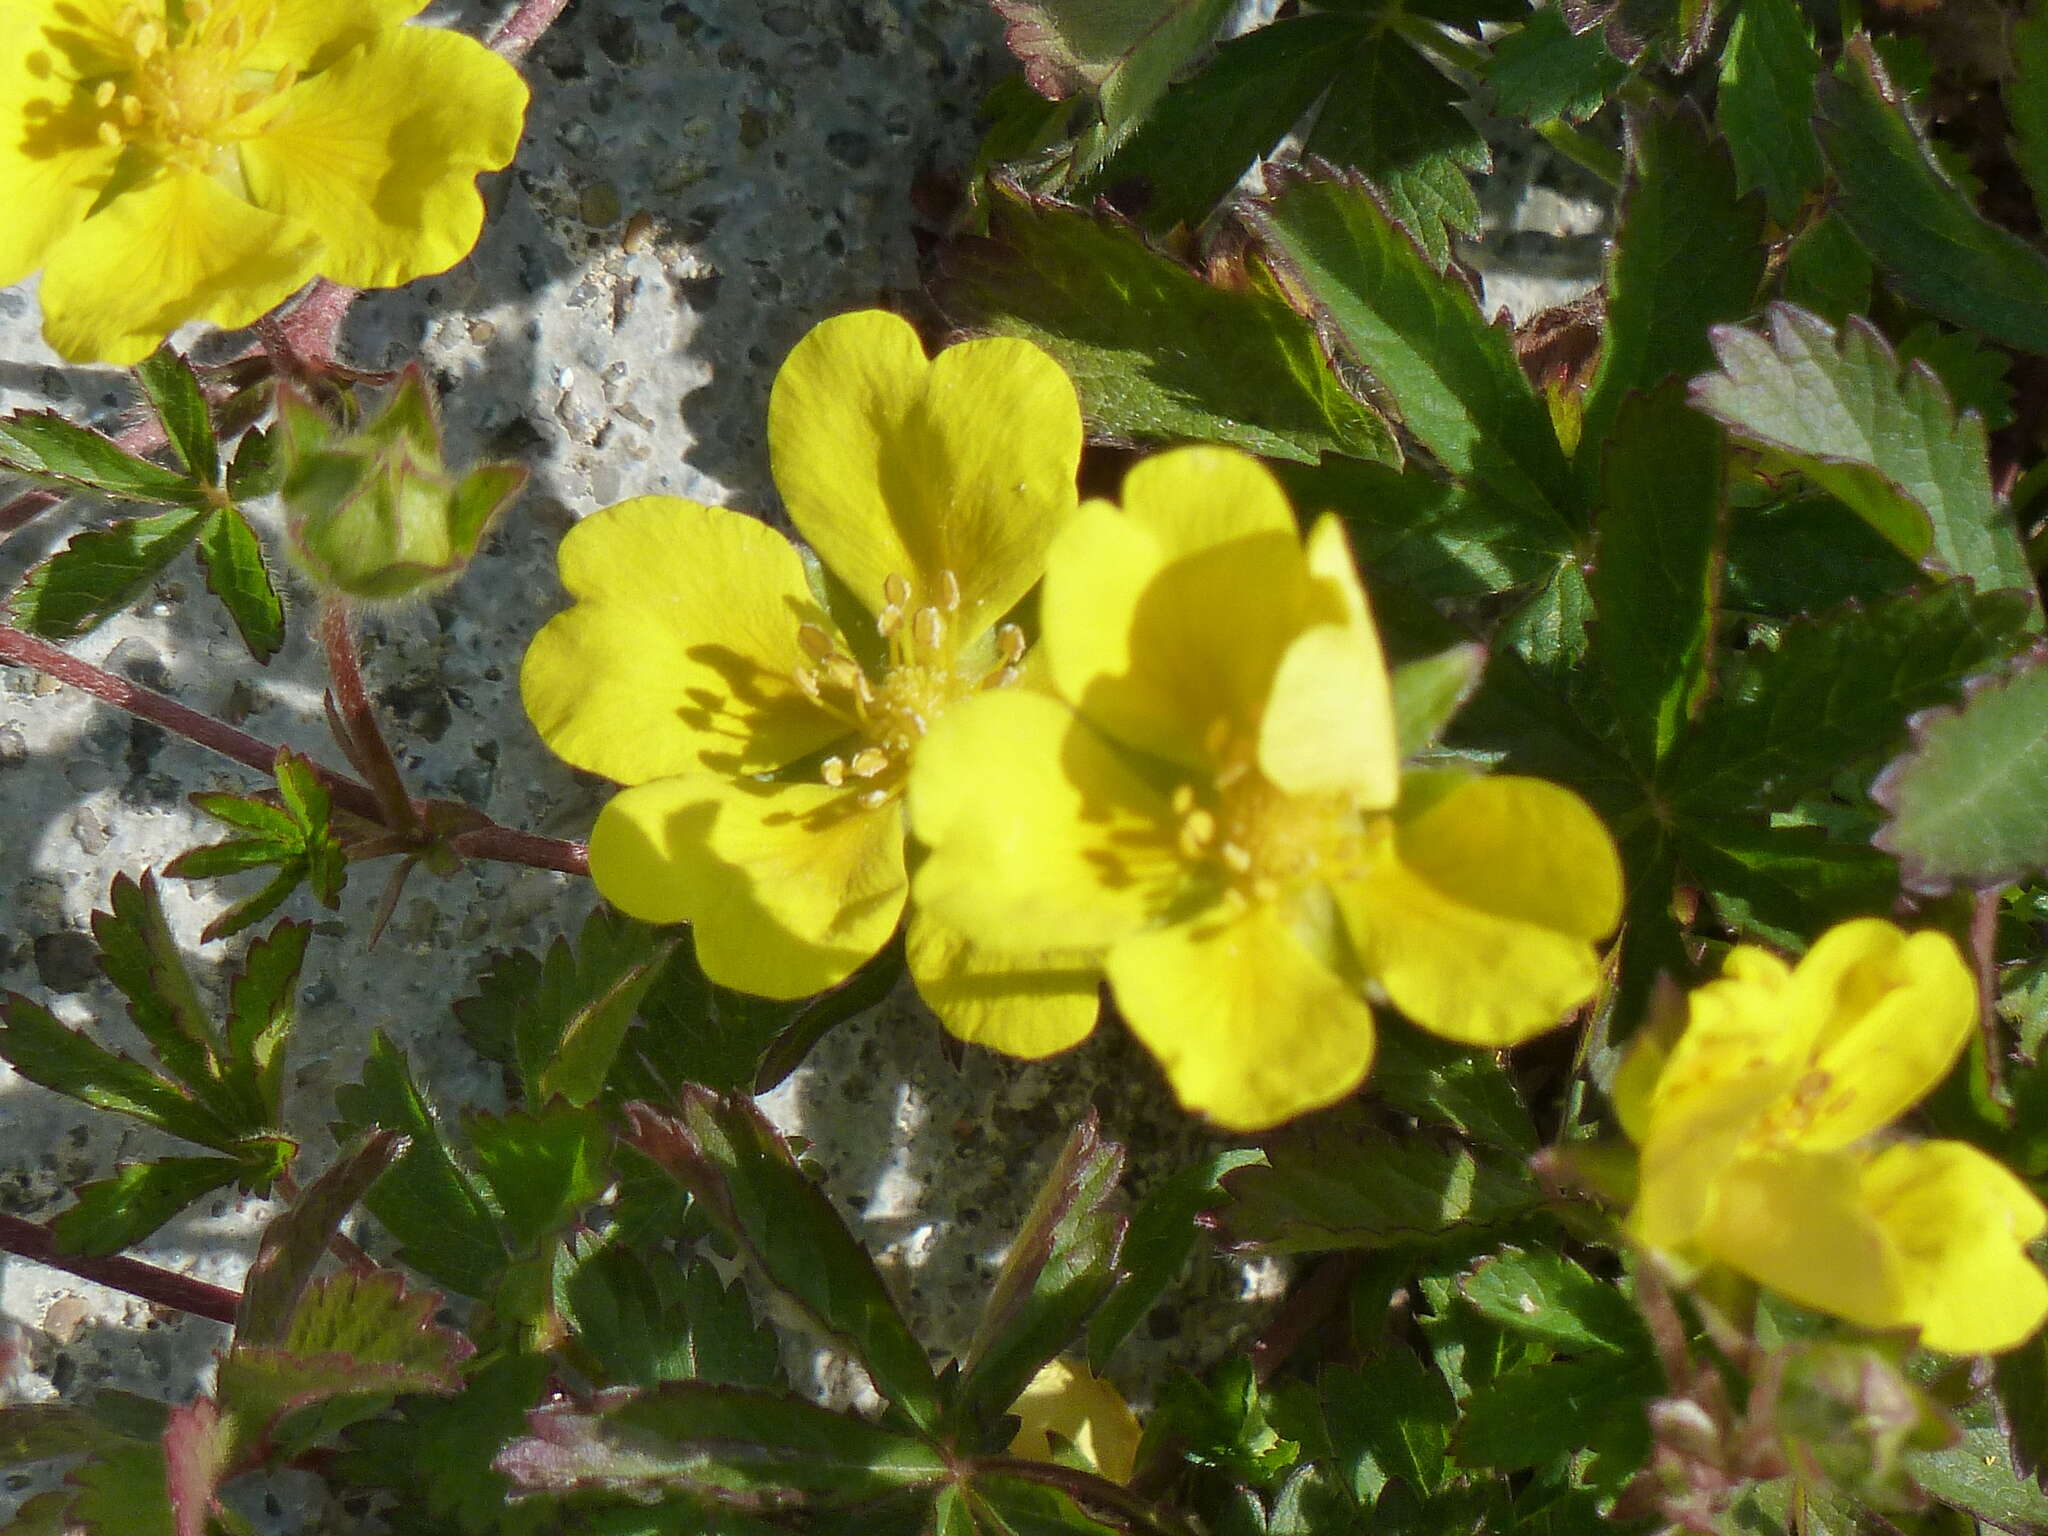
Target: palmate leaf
(295, 1241)
(42, 446)
(1765, 104)
(543, 1168)
(1543, 70)
(100, 572)
(289, 830)
(1125, 51)
(65, 1061)
(645, 1319)
(1391, 1418)
(1837, 408)
(1546, 1297)
(119, 1212)
(238, 575)
(174, 393)
(1156, 353)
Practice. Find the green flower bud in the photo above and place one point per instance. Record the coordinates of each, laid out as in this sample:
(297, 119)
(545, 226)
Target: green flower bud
(1846, 1415)
(375, 513)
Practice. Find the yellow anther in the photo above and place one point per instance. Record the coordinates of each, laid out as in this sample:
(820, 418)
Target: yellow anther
(110, 135)
(131, 110)
(1236, 857)
(807, 683)
(1197, 832)
(814, 642)
(1265, 890)
(147, 39)
(863, 690)
(929, 627)
(871, 799)
(869, 763)
(833, 771)
(1183, 799)
(895, 590)
(949, 592)
(104, 95)
(840, 672)
(889, 620)
(1010, 644)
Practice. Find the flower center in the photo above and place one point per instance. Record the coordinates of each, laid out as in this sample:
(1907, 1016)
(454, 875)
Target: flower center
(1265, 843)
(184, 86)
(921, 678)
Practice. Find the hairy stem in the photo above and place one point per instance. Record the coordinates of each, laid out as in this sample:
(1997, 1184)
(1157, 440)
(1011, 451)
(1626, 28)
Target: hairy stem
(365, 742)
(160, 1287)
(1984, 961)
(500, 844)
(525, 26)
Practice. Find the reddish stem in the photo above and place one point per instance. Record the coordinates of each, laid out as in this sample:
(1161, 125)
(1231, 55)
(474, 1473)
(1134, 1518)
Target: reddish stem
(145, 437)
(159, 1287)
(524, 28)
(1984, 961)
(366, 745)
(502, 844)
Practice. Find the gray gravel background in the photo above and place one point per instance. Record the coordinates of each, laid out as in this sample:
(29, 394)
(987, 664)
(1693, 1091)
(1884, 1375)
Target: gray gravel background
(771, 148)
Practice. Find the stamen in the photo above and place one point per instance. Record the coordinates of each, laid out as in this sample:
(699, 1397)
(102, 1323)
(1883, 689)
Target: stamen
(1236, 857)
(871, 798)
(147, 39)
(888, 621)
(104, 96)
(868, 763)
(895, 590)
(1183, 799)
(840, 672)
(930, 628)
(110, 135)
(807, 683)
(949, 592)
(833, 771)
(814, 642)
(1196, 833)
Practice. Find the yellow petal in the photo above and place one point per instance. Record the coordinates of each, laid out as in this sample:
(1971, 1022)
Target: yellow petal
(381, 152)
(1893, 1011)
(1329, 723)
(1028, 1004)
(309, 35)
(1167, 618)
(53, 166)
(1959, 1223)
(1798, 1224)
(1082, 1409)
(791, 887)
(1250, 1027)
(1480, 920)
(681, 648)
(1634, 1089)
(894, 465)
(178, 248)
(1041, 835)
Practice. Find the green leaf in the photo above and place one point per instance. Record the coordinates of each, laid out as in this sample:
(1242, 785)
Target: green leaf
(1536, 1413)
(1656, 566)
(1827, 272)
(1939, 253)
(180, 404)
(1977, 1475)
(258, 469)
(1203, 136)
(1335, 1187)
(723, 1444)
(64, 1060)
(1220, 1423)
(1445, 1084)
(141, 958)
(1162, 1235)
(1125, 51)
(237, 575)
(1546, 1297)
(645, 1321)
(1157, 354)
(1015, 1506)
(1837, 408)
(691, 1030)
(354, 1342)
(1451, 378)
(1968, 801)
(262, 1008)
(564, 1018)
(427, 1200)
(44, 447)
(1765, 106)
(1395, 119)
(1784, 884)
(2020, 1379)
(1392, 1418)
(1835, 694)
(742, 1175)
(1060, 1266)
(1430, 691)
(295, 1242)
(1689, 254)
(542, 1168)
(1802, 556)
(1544, 71)
(120, 1212)
(99, 573)
(1972, 373)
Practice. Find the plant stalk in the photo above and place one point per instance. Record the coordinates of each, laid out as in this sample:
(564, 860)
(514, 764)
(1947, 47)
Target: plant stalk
(525, 27)
(159, 1287)
(1984, 962)
(366, 745)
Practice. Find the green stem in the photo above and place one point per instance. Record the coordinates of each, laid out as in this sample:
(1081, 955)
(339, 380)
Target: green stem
(1431, 37)
(1583, 150)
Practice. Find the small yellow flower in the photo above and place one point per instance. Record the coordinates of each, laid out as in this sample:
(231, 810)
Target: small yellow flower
(1086, 1412)
(1755, 1127)
(765, 725)
(1214, 801)
(172, 160)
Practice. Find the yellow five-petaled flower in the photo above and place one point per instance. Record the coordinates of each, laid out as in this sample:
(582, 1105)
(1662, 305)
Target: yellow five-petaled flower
(1756, 1123)
(764, 716)
(172, 160)
(1212, 801)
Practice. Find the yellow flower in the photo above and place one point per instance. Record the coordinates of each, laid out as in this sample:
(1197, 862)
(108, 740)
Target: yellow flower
(1214, 801)
(1755, 1123)
(1086, 1412)
(173, 160)
(765, 724)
